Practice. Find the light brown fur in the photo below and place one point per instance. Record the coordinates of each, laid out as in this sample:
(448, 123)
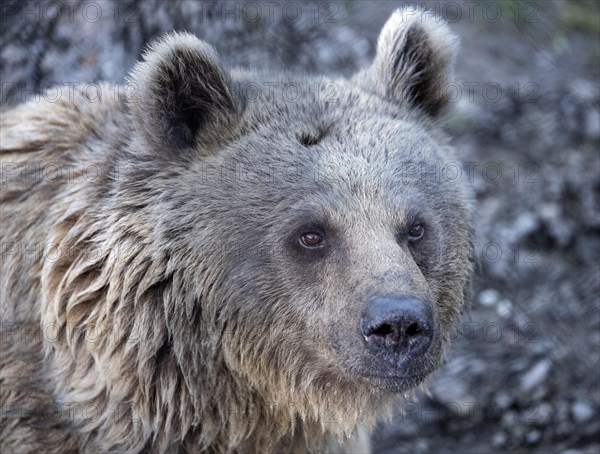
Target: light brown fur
(174, 316)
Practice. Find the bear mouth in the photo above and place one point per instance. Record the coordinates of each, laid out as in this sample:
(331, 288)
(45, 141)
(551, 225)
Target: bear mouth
(393, 374)
(394, 383)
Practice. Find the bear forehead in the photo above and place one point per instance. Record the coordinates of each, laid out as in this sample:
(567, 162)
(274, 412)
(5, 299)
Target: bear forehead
(339, 144)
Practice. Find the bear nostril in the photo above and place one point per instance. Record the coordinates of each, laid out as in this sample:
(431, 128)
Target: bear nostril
(382, 330)
(413, 330)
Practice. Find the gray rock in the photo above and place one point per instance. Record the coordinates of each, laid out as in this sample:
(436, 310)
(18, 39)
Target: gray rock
(504, 308)
(422, 446)
(489, 297)
(536, 375)
(525, 224)
(453, 394)
(509, 419)
(584, 90)
(499, 440)
(582, 411)
(503, 400)
(544, 414)
(592, 124)
(533, 437)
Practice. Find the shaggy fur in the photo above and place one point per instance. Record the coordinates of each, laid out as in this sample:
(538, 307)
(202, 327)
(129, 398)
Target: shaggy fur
(152, 241)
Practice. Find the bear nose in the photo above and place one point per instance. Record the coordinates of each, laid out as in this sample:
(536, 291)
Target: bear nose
(398, 325)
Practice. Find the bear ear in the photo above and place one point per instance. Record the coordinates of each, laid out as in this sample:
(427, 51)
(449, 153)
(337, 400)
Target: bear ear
(182, 95)
(414, 60)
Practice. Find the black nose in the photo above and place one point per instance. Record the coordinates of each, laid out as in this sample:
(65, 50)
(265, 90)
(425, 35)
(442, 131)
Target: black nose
(398, 325)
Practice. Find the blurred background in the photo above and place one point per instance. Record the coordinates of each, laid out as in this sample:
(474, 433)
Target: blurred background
(523, 372)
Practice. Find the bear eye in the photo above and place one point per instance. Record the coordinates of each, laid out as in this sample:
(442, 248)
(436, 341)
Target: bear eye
(311, 240)
(416, 232)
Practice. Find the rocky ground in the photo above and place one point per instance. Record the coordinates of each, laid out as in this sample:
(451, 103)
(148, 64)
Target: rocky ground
(523, 372)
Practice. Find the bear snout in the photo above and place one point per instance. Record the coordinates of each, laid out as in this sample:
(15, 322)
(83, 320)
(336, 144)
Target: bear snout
(402, 326)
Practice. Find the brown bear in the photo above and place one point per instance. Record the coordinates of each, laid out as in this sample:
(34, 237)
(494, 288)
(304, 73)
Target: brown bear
(223, 260)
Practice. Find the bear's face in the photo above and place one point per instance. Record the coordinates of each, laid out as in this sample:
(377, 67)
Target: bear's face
(322, 233)
(321, 243)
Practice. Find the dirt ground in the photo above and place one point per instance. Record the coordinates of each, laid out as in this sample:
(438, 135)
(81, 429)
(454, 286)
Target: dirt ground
(522, 374)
